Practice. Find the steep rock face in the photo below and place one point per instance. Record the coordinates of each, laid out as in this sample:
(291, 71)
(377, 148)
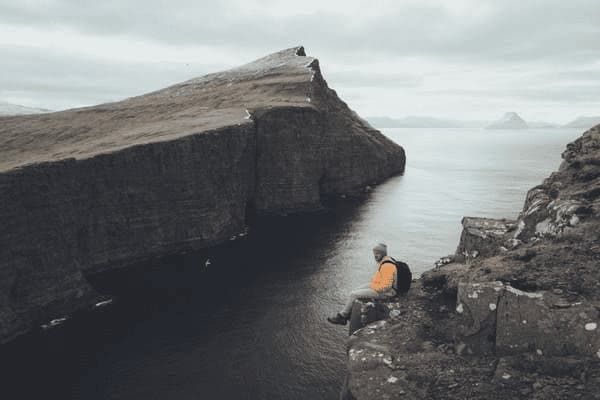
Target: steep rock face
(175, 170)
(518, 320)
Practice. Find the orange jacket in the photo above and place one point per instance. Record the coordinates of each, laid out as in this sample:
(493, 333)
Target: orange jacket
(383, 280)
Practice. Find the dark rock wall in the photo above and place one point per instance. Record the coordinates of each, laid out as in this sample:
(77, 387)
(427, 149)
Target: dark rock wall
(306, 154)
(70, 217)
(292, 146)
(368, 155)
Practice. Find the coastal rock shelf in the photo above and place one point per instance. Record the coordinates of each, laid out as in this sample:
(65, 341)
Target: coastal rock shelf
(514, 313)
(179, 169)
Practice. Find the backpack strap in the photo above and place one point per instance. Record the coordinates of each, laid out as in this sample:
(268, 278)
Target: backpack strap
(390, 261)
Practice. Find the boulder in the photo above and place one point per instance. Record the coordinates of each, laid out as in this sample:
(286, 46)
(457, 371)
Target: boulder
(365, 312)
(477, 305)
(546, 324)
(498, 318)
(483, 237)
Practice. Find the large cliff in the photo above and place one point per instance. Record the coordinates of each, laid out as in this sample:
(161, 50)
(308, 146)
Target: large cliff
(515, 313)
(175, 170)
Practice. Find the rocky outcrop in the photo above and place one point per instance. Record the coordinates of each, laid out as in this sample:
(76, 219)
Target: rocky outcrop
(366, 311)
(179, 169)
(483, 237)
(518, 319)
(507, 321)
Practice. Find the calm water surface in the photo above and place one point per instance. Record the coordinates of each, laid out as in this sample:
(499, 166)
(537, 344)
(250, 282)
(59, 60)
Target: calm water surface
(252, 324)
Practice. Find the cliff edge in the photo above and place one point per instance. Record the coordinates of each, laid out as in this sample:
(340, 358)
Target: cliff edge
(171, 171)
(514, 313)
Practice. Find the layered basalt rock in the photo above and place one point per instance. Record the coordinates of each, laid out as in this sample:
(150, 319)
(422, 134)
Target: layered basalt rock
(171, 171)
(514, 314)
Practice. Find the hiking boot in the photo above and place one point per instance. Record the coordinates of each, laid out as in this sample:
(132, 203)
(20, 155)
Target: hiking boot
(339, 319)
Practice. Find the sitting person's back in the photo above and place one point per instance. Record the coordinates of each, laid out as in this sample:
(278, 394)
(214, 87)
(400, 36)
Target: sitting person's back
(384, 280)
(383, 284)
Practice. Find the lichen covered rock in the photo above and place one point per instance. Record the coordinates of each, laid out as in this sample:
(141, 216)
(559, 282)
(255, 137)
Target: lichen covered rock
(483, 237)
(477, 304)
(546, 324)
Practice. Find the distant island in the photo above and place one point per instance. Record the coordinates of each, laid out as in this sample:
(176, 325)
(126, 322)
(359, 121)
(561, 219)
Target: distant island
(16, 109)
(542, 125)
(583, 122)
(510, 120)
(414, 121)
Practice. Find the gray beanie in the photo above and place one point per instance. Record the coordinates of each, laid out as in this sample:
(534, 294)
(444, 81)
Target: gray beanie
(380, 248)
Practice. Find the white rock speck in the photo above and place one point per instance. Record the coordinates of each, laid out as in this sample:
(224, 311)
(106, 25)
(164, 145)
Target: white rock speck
(392, 379)
(460, 308)
(590, 326)
(103, 303)
(492, 306)
(54, 322)
(531, 295)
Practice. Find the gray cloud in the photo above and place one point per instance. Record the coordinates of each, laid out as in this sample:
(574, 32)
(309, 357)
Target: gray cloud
(367, 79)
(61, 80)
(536, 51)
(578, 93)
(512, 30)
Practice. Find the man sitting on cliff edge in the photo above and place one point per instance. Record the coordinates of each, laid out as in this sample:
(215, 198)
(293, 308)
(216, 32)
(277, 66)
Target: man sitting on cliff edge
(382, 284)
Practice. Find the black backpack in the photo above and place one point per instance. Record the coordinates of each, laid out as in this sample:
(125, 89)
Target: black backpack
(403, 275)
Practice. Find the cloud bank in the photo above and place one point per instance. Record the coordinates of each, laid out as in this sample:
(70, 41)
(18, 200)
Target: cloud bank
(465, 59)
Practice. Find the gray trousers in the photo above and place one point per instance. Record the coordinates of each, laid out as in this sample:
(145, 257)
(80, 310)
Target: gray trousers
(362, 292)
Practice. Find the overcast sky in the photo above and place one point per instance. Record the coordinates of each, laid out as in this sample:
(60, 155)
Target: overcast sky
(456, 58)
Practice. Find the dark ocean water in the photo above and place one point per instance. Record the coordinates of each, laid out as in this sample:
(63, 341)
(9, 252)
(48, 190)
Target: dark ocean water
(252, 324)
